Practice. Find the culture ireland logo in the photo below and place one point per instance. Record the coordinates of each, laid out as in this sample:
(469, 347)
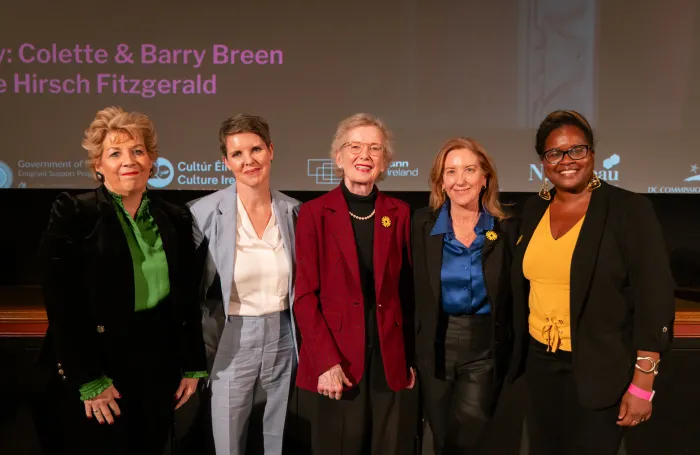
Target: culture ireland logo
(163, 173)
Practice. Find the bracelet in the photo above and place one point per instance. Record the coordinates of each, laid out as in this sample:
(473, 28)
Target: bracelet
(654, 365)
(641, 393)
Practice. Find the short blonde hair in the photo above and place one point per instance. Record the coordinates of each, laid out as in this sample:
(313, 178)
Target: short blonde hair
(116, 119)
(355, 121)
(489, 196)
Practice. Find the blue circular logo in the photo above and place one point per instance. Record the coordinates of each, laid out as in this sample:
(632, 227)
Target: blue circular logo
(5, 175)
(163, 173)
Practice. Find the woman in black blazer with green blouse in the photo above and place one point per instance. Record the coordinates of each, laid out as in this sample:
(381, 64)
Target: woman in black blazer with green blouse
(462, 247)
(593, 300)
(124, 345)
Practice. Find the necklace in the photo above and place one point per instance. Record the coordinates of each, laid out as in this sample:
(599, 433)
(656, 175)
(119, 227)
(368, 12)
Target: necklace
(362, 218)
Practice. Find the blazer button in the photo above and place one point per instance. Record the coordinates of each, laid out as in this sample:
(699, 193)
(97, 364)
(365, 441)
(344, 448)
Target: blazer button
(100, 329)
(60, 371)
(184, 323)
(665, 329)
(58, 365)
(63, 377)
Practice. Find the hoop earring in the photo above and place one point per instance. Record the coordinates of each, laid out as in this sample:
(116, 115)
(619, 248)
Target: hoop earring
(544, 191)
(100, 176)
(594, 183)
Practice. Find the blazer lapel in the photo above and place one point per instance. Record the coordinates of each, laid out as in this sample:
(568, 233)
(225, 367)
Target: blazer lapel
(225, 246)
(283, 223)
(433, 257)
(341, 228)
(530, 221)
(385, 225)
(491, 274)
(167, 235)
(586, 251)
(116, 245)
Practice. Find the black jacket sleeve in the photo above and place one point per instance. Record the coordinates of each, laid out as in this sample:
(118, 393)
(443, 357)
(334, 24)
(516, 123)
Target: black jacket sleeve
(71, 338)
(650, 278)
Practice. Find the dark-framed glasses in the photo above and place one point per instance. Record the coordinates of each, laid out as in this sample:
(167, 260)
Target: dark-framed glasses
(356, 148)
(577, 152)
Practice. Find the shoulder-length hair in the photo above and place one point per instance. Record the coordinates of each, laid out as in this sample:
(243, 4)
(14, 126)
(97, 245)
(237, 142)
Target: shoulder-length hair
(489, 196)
(117, 120)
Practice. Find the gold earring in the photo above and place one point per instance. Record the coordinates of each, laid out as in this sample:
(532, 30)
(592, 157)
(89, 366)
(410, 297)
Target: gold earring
(544, 191)
(594, 183)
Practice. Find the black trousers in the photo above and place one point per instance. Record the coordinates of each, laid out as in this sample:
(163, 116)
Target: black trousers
(145, 373)
(460, 397)
(368, 419)
(557, 424)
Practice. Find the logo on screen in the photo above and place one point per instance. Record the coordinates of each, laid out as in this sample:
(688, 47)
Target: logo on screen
(695, 177)
(322, 170)
(163, 173)
(5, 175)
(607, 173)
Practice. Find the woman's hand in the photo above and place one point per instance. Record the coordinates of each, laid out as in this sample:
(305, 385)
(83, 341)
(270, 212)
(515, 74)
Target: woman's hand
(185, 391)
(633, 410)
(103, 405)
(331, 383)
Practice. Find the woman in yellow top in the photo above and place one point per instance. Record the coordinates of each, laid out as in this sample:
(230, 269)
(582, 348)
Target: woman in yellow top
(593, 300)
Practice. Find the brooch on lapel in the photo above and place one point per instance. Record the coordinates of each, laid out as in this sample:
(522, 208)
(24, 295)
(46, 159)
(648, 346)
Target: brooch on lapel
(519, 239)
(491, 235)
(386, 221)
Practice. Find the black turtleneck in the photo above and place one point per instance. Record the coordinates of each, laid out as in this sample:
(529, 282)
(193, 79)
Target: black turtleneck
(364, 241)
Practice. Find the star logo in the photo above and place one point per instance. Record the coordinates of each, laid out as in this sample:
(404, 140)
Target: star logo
(696, 176)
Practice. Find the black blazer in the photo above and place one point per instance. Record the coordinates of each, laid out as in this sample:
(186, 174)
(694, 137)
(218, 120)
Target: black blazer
(431, 319)
(621, 292)
(88, 284)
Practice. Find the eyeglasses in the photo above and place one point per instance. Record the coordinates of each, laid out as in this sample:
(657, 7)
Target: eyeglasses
(356, 148)
(577, 152)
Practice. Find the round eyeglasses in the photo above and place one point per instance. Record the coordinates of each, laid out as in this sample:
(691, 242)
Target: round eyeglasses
(356, 148)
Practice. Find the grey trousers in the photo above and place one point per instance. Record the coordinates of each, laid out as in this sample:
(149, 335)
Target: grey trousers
(253, 364)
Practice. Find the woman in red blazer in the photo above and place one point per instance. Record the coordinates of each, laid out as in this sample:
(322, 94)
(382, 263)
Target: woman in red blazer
(353, 301)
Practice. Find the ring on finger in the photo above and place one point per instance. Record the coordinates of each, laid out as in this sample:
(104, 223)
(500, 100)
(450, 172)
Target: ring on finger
(95, 411)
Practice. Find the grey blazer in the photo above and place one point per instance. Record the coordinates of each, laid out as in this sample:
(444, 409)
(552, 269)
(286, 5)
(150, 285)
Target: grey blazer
(214, 230)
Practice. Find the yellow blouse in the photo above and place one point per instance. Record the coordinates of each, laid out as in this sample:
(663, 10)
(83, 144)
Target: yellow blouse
(547, 265)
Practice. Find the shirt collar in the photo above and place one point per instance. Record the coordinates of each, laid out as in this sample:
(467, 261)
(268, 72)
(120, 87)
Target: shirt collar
(443, 224)
(143, 208)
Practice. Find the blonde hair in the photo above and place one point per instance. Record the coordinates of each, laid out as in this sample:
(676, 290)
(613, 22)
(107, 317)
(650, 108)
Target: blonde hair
(116, 119)
(355, 121)
(489, 196)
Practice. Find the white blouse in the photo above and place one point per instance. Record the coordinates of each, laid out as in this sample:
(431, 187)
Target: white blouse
(261, 271)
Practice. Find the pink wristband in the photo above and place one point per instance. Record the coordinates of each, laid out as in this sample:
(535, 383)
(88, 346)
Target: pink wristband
(641, 393)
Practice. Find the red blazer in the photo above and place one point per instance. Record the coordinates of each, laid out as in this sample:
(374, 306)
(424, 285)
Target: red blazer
(328, 303)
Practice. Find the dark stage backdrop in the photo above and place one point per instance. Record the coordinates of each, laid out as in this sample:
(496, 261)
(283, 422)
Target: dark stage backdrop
(24, 215)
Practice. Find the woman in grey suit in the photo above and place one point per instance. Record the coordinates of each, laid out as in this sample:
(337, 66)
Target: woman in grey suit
(246, 232)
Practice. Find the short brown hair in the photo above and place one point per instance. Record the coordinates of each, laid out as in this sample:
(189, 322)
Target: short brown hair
(243, 123)
(489, 197)
(356, 121)
(558, 119)
(115, 119)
